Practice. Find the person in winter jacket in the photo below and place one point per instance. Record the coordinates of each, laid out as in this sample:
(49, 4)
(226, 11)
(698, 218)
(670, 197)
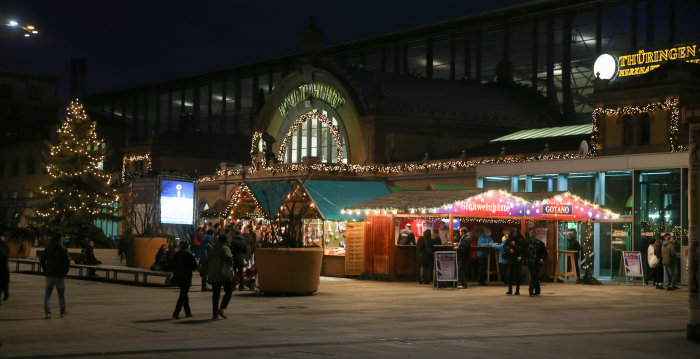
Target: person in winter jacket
(183, 264)
(669, 254)
(483, 255)
(205, 247)
(238, 250)
(514, 253)
(654, 263)
(464, 256)
(574, 245)
(4, 270)
(219, 257)
(535, 255)
(425, 253)
(56, 264)
(502, 261)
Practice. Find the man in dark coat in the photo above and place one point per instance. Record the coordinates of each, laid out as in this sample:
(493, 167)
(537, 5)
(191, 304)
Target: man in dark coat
(464, 256)
(514, 253)
(183, 264)
(55, 263)
(238, 250)
(425, 252)
(536, 254)
(89, 251)
(574, 245)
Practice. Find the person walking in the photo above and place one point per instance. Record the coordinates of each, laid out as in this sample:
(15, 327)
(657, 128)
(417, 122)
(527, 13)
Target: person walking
(535, 255)
(239, 248)
(4, 270)
(669, 255)
(514, 252)
(220, 268)
(464, 255)
(183, 264)
(55, 263)
(425, 252)
(205, 247)
(483, 254)
(251, 243)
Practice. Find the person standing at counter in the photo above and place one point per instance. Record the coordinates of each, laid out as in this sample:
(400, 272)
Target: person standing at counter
(482, 256)
(502, 261)
(406, 236)
(425, 252)
(444, 234)
(514, 253)
(464, 254)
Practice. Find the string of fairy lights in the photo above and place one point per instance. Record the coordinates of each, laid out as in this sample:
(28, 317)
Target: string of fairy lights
(127, 160)
(670, 104)
(78, 153)
(243, 191)
(325, 119)
(257, 136)
(389, 169)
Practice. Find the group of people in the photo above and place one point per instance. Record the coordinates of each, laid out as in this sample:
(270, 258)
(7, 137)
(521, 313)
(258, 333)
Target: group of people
(222, 255)
(662, 258)
(514, 253)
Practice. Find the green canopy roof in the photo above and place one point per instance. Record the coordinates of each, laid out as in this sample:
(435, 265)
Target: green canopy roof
(270, 195)
(549, 132)
(332, 196)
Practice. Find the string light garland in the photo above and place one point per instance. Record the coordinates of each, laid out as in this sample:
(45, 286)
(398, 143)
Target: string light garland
(243, 191)
(130, 159)
(396, 169)
(257, 136)
(670, 104)
(308, 116)
(79, 186)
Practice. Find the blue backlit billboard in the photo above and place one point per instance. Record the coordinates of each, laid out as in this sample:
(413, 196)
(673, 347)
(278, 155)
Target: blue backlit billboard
(176, 202)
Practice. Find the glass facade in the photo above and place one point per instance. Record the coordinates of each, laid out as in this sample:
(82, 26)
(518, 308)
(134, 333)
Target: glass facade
(653, 201)
(551, 50)
(313, 140)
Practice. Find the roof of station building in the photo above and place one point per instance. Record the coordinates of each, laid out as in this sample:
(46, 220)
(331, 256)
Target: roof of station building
(483, 103)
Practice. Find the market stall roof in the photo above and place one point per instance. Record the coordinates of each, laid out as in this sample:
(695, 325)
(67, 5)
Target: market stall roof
(331, 197)
(549, 132)
(408, 200)
(492, 203)
(218, 207)
(270, 195)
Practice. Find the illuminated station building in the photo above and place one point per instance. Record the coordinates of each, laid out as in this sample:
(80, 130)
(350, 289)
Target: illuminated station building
(506, 100)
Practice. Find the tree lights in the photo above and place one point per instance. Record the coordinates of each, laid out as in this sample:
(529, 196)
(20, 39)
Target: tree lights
(79, 193)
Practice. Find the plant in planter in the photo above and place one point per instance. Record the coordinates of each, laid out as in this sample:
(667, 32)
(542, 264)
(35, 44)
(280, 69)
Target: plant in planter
(284, 265)
(142, 237)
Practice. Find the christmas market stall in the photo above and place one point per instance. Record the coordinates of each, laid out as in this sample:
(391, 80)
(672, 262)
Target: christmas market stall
(543, 213)
(318, 205)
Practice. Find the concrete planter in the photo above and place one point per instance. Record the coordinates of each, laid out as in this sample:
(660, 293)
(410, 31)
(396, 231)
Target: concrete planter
(142, 251)
(19, 247)
(289, 270)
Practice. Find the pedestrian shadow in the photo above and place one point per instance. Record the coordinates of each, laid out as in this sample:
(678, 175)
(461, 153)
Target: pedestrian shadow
(152, 321)
(195, 321)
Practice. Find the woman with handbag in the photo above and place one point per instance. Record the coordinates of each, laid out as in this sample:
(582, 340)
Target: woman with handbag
(183, 264)
(220, 275)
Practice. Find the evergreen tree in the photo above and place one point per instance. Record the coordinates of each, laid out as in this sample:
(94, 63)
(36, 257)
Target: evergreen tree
(80, 192)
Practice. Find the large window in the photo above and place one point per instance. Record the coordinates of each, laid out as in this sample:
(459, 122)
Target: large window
(313, 141)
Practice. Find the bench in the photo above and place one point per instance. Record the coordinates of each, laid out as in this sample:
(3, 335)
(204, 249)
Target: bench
(110, 271)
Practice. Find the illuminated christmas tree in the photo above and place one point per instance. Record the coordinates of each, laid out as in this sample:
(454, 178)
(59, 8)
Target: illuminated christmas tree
(587, 277)
(80, 192)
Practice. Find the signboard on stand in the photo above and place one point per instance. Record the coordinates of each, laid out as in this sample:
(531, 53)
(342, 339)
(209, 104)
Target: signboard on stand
(631, 265)
(446, 266)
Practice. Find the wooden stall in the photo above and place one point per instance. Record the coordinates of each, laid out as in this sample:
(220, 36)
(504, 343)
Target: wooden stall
(475, 209)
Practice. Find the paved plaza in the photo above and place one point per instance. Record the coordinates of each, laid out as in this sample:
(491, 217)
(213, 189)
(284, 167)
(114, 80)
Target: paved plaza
(349, 318)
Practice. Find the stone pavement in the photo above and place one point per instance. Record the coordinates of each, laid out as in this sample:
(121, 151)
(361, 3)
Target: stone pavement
(349, 318)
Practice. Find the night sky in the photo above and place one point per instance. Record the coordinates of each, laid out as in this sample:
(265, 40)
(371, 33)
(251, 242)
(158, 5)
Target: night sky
(130, 42)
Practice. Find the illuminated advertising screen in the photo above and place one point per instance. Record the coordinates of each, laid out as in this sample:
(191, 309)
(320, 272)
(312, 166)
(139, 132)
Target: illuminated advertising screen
(176, 202)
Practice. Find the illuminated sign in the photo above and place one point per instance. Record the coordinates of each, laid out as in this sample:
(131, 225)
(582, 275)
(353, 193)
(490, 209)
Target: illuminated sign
(605, 67)
(317, 90)
(643, 62)
(557, 209)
